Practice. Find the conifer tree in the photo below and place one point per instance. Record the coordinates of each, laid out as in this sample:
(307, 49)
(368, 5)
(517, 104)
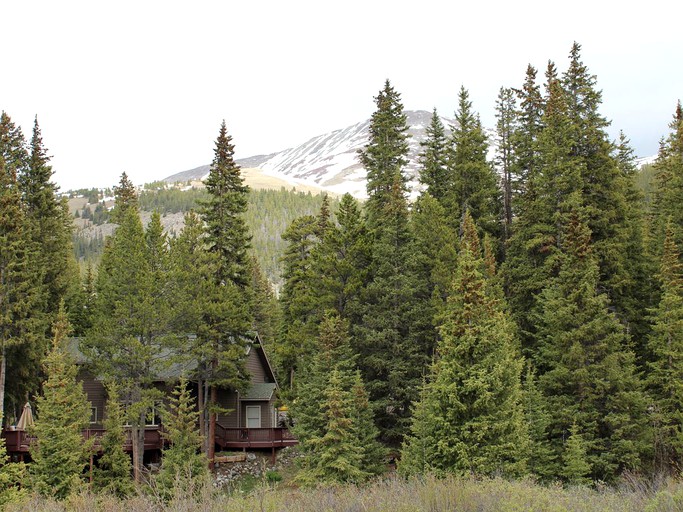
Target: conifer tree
(505, 155)
(386, 152)
(365, 432)
(300, 310)
(131, 322)
(669, 179)
(227, 238)
(541, 456)
(586, 367)
(126, 198)
(576, 467)
(529, 119)
(392, 346)
(475, 186)
(434, 160)
(18, 286)
(471, 418)
(665, 345)
(113, 472)
(59, 453)
(183, 467)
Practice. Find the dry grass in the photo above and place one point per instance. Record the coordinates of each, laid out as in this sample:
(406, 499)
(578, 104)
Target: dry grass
(396, 495)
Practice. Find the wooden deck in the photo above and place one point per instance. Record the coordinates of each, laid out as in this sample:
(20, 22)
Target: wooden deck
(254, 437)
(19, 441)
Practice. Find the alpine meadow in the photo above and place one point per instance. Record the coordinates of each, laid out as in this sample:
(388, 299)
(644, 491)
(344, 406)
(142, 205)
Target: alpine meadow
(495, 323)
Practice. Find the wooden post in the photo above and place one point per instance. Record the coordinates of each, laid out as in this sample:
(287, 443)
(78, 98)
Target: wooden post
(272, 460)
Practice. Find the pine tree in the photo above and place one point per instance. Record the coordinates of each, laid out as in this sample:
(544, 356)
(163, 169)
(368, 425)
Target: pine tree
(666, 346)
(338, 456)
(183, 468)
(364, 430)
(586, 367)
(505, 154)
(131, 322)
(300, 310)
(228, 238)
(576, 467)
(475, 185)
(126, 199)
(393, 347)
(669, 178)
(113, 472)
(59, 453)
(224, 211)
(541, 457)
(386, 153)
(18, 286)
(529, 119)
(12, 145)
(471, 418)
(434, 160)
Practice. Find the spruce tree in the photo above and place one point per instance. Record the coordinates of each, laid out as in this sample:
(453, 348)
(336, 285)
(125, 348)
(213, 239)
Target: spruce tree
(227, 238)
(541, 456)
(586, 367)
(183, 467)
(126, 199)
(131, 322)
(475, 185)
(470, 418)
(113, 472)
(434, 172)
(19, 289)
(665, 344)
(59, 453)
(386, 152)
(505, 156)
(576, 467)
(12, 145)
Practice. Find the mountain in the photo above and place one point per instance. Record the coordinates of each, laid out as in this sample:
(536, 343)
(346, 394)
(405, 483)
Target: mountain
(330, 161)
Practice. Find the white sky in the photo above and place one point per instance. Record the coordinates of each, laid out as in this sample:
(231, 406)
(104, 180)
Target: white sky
(142, 86)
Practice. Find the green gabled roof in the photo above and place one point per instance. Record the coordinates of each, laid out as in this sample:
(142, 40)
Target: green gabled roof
(259, 391)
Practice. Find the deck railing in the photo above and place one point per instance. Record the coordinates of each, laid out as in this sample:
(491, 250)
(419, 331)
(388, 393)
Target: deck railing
(254, 437)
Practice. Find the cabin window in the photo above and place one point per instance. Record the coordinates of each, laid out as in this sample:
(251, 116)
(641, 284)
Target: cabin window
(93, 415)
(153, 418)
(253, 416)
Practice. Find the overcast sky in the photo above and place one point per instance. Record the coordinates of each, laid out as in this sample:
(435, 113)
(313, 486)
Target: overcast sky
(142, 86)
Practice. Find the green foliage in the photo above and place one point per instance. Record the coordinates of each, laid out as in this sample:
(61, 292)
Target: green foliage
(113, 472)
(332, 415)
(470, 417)
(475, 185)
(59, 453)
(586, 368)
(182, 464)
(434, 172)
(12, 476)
(576, 466)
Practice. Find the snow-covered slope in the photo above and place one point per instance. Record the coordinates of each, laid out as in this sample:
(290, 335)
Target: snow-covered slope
(330, 161)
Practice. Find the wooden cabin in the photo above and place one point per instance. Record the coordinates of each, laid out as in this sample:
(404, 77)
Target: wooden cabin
(252, 420)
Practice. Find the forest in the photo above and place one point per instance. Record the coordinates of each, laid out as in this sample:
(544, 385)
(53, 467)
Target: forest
(518, 327)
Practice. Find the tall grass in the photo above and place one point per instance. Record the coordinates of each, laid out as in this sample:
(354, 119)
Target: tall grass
(427, 494)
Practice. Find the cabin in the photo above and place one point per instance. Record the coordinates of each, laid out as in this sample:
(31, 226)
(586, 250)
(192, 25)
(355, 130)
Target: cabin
(252, 420)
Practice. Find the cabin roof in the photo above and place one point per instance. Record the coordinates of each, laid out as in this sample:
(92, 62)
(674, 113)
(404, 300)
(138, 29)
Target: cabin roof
(260, 391)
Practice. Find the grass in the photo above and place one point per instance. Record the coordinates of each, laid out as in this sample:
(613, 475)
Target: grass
(427, 494)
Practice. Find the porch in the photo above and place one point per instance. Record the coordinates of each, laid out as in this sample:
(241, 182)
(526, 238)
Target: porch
(274, 437)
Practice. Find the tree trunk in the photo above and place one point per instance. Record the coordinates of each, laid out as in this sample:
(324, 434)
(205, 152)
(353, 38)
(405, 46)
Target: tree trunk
(200, 408)
(3, 368)
(212, 427)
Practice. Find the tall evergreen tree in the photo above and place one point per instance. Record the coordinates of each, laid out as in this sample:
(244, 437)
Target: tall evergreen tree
(665, 344)
(183, 468)
(131, 323)
(59, 453)
(386, 153)
(18, 285)
(434, 159)
(475, 185)
(586, 367)
(12, 145)
(470, 418)
(228, 238)
(113, 472)
(529, 118)
(505, 154)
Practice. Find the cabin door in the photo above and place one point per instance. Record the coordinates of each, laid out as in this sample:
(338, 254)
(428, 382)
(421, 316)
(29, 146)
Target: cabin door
(253, 416)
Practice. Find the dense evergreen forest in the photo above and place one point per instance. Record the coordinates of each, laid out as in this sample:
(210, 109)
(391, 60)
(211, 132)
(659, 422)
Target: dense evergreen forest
(522, 317)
